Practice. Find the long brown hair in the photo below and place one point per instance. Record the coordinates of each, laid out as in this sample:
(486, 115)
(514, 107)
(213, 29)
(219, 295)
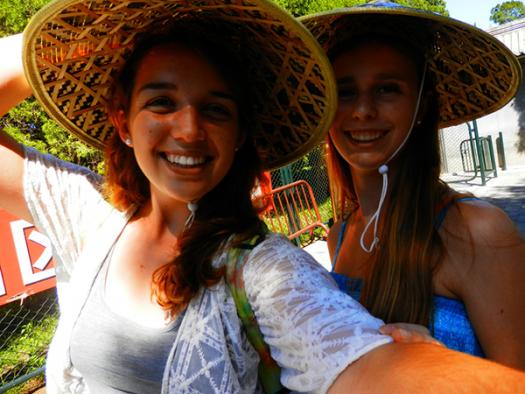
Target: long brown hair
(224, 211)
(399, 286)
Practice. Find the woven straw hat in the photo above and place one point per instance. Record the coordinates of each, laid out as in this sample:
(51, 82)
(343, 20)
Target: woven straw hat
(74, 48)
(475, 74)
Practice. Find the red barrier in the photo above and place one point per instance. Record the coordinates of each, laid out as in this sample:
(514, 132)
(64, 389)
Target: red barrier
(26, 264)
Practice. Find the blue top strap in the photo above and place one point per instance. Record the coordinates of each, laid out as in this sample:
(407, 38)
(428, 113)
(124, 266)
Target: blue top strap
(440, 217)
(339, 243)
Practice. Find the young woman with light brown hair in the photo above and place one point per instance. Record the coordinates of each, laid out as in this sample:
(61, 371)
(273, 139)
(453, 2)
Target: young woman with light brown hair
(406, 245)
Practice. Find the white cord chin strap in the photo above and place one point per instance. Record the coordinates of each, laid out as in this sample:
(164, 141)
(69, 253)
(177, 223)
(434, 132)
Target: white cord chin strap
(192, 207)
(383, 170)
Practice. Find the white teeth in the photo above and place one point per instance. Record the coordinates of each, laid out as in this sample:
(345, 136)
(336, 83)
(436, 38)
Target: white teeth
(365, 136)
(185, 160)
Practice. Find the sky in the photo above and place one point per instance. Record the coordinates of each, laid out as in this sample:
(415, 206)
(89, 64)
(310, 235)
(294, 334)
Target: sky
(473, 11)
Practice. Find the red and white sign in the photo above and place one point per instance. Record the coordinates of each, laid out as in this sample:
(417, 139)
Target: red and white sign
(26, 263)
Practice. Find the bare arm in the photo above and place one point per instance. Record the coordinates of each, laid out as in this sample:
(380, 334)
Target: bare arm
(13, 89)
(489, 269)
(425, 368)
(13, 84)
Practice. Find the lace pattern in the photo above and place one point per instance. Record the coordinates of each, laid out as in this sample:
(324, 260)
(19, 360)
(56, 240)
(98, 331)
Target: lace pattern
(314, 331)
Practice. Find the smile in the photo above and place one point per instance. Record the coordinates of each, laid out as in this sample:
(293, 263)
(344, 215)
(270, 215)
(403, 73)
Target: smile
(185, 161)
(363, 136)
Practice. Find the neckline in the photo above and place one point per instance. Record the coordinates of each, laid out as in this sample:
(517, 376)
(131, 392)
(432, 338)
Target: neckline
(104, 272)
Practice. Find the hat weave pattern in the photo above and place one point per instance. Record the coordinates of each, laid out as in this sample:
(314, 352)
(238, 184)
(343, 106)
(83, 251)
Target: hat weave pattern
(474, 73)
(74, 50)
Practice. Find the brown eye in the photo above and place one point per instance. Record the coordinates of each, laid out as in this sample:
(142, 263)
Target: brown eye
(217, 111)
(160, 104)
(388, 89)
(346, 93)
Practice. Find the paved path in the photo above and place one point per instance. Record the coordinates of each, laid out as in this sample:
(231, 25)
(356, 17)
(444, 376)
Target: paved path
(506, 191)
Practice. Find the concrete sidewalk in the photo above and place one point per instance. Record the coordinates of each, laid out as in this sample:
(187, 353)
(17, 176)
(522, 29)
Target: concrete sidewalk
(506, 191)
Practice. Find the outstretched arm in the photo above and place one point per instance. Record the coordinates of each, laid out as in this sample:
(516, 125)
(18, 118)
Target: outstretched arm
(13, 89)
(487, 255)
(425, 368)
(13, 84)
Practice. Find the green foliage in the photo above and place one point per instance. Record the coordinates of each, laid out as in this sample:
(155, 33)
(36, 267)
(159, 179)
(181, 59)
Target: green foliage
(438, 6)
(304, 7)
(14, 14)
(26, 351)
(30, 125)
(507, 11)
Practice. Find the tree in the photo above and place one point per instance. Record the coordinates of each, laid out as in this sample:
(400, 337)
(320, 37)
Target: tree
(304, 7)
(14, 14)
(30, 125)
(438, 6)
(507, 11)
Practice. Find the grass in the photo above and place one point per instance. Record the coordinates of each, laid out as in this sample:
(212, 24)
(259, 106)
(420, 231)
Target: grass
(281, 223)
(26, 351)
(25, 332)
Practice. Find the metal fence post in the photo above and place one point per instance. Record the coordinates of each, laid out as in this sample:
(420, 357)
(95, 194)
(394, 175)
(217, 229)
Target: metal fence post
(479, 150)
(492, 158)
(286, 175)
(500, 150)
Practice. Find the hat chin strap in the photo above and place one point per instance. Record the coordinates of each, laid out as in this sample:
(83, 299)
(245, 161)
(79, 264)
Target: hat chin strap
(192, 207)
(383, 170)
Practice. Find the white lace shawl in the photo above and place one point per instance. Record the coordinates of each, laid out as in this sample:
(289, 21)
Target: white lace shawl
(314, 330)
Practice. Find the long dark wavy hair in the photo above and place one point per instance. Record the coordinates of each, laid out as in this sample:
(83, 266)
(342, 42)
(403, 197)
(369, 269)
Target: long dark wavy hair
(399, 285)
(224, 211)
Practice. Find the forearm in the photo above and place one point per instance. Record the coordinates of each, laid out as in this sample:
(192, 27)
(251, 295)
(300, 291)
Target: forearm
(13, 84)
(416, 368)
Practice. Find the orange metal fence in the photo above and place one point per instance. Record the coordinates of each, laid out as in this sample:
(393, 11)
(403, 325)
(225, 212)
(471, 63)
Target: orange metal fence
(292, 210)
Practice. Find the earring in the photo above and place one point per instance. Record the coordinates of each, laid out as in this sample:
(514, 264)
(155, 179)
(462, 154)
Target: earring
(418, 122)
(127, 141)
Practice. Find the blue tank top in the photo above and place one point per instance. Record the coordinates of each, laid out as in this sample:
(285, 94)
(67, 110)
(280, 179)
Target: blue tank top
(450, 322)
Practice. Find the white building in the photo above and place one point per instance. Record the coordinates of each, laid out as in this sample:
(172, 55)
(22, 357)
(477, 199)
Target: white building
(506, 120)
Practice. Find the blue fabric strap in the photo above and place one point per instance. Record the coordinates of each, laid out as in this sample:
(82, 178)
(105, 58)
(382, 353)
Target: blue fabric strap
(339, 243)
(440, 217)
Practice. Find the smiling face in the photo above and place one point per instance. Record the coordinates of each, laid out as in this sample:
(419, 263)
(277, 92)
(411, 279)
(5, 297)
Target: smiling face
(378, 88)
(183, 123)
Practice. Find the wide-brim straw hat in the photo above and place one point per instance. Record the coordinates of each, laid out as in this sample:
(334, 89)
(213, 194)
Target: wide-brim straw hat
(73, 49)
(474, 73)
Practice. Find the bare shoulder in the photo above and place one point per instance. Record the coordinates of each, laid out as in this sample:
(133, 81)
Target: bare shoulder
(480, 222)
(481, 244)
(485, 267)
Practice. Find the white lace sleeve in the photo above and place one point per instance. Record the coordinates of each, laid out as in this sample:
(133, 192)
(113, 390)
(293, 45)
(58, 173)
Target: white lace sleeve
(314, 330)
(64, 202)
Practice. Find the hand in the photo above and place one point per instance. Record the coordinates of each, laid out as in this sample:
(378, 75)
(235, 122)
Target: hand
(409, 333)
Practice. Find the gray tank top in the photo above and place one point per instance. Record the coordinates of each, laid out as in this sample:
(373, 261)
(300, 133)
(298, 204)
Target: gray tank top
(116, 355)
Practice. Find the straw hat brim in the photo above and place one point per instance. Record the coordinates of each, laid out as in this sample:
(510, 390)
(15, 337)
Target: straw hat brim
(73, 50)
(474, 73)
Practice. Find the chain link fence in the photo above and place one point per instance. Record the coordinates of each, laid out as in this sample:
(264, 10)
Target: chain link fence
(468, 157)
(26, 329)
(312, 169)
